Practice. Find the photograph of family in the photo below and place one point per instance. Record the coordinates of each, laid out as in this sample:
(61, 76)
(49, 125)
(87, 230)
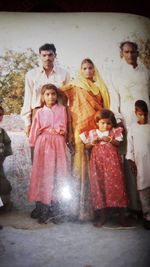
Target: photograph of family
(75, 118)
(75, 100)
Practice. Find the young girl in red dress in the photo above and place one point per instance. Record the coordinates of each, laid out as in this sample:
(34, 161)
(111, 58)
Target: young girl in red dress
(49, 169)
(107, 181)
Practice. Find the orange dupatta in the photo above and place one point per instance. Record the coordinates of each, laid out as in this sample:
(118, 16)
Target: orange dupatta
(85, 99)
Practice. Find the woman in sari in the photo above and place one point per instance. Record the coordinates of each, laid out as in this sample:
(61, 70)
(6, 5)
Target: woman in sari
(86, 95)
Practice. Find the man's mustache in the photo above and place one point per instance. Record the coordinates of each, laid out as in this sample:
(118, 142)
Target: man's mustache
(48, 60)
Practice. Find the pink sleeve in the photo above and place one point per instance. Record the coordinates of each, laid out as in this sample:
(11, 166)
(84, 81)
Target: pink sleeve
(118, 131)
(62, 129)
(34, 130)
(65, 120)
(117, 134)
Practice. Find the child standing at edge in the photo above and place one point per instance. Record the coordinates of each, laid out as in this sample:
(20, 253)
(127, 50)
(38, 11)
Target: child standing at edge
(5, 186)
(138, 153)
(49, 168)
(106, 174)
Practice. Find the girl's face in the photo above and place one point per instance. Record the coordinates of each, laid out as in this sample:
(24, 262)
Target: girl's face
(141, 116)
(104, 125)
(87, 70)
(50, 97)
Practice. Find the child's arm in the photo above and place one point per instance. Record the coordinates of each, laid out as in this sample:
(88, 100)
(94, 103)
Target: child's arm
(35, 130)
(116, 137)
(63, 92)
(109, 139)
(114, 142)
(92, 143)
(70, 135)
(130, 146)
(130, 152)
(88, 146)
(133, 167)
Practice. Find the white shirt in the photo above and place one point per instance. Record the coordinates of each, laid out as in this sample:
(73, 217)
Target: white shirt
(34, 80)
(126, 86)
(138, 150)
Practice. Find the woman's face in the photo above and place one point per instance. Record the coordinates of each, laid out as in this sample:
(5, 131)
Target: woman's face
(87, 70)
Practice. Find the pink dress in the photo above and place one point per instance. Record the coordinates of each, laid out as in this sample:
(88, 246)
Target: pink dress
(50, 162)
(106, 174)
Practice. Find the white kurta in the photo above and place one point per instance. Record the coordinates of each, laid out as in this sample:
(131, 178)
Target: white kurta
(138, 150)
(127, 85)
(34, 80)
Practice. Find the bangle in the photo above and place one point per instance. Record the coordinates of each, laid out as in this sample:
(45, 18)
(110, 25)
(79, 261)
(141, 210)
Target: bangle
(110, 139)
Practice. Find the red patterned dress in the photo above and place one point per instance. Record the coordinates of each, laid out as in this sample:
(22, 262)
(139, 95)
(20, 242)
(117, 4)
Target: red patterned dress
(106, 174)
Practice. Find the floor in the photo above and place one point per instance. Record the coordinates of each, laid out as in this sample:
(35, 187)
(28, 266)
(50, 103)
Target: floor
(25, 243)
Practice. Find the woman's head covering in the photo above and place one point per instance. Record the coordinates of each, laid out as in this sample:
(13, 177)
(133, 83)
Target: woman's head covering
(96, 86)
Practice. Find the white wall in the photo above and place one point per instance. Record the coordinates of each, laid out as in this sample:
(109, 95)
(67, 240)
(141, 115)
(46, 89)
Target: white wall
(76, 35)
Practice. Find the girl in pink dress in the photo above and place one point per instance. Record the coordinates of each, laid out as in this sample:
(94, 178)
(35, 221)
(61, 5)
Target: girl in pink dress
(49, 169)
(106, 174)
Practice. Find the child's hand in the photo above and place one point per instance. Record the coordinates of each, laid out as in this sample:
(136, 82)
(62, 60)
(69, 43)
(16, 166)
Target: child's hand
(106, 139)
(133, 168)
(71, 147)
(27, 130)
(53, 131)
(91, 144)
(70, 138)
(95, 141)
(70, 142)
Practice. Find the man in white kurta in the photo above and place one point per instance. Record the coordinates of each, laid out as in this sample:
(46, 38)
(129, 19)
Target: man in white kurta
(130, 82)
(129, 85)
(48, 72)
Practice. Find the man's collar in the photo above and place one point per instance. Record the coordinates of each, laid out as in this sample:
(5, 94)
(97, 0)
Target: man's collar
(129, 66)
(43, 70)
